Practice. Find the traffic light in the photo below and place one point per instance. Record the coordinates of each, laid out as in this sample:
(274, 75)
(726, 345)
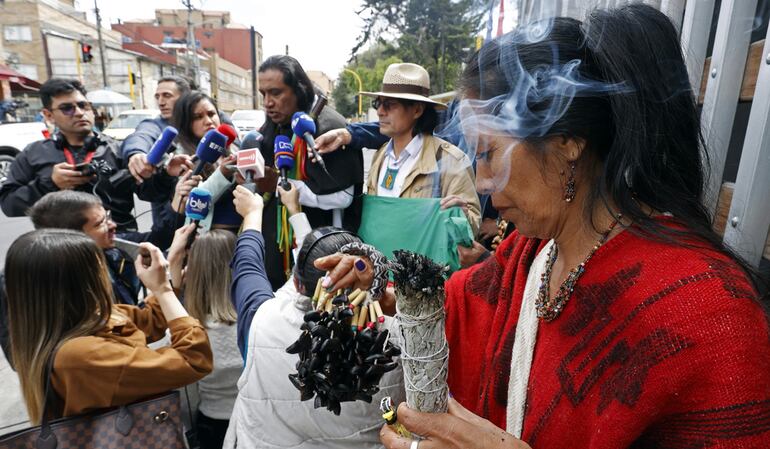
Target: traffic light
(86, 52)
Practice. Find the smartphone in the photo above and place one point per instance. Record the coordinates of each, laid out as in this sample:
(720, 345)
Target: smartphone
(133, 249)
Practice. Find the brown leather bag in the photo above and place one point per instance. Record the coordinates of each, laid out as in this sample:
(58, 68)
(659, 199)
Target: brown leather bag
(151, 423)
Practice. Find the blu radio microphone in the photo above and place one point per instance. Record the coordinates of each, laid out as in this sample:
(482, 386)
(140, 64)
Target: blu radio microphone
(284, 159)
(197, 209)
(211, 147)
(304, 127)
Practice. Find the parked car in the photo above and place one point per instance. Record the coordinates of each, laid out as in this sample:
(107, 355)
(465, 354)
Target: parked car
(14, 137)
(126, 122)
(246, 120)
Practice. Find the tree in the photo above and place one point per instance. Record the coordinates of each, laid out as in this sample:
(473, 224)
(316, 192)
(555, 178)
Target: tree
(437, 34)
(370, 65)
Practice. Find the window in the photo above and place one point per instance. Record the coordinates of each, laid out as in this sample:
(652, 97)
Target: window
(64, 67)
(17, 33)
(28, 70)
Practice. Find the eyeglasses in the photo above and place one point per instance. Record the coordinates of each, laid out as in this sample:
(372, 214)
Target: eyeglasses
(68, 109)
(386, 104)
(107, 219)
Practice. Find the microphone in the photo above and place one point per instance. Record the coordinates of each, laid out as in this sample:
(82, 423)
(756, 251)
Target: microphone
(162, 146)
(197, 209)
(284, 159)
(304, 126)
(229, 132)
(154, 157)
(253, 139)
(210, 148)
(251, 166)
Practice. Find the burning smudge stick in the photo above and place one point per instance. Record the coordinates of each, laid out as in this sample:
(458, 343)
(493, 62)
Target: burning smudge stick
(420, 313)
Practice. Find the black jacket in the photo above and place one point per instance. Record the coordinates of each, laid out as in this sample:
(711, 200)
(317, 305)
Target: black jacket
(30, 179)
(346, 168)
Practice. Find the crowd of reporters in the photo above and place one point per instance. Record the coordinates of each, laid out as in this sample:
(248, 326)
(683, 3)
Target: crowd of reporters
(213, 256)
(244, 230)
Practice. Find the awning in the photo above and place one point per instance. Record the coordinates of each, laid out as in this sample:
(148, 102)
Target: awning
(107, 97)
(7, 73)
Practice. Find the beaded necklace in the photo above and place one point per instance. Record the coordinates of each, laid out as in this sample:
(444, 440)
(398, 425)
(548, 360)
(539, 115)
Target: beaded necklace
(549, 308)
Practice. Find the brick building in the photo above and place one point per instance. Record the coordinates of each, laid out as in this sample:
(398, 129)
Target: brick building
(226, 43)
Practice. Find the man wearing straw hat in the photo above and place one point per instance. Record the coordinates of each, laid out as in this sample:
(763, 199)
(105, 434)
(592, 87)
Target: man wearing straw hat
(414, 163)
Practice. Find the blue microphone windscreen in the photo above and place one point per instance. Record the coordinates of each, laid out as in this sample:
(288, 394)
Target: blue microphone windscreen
(251, 140)
(211, 146)
(198, 204)
(301, 123)
(161, 146)
(284, 153)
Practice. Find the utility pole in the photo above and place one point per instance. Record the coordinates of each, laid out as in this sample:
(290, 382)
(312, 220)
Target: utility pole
(192, 48)
(102, 54)
(253, 40)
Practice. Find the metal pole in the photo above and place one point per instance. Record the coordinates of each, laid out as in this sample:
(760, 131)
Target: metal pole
(731, 46)
(78, 49)
(360, 89)
(102, 54)
(192, 48)
(695, 37)
(253, 69)
(749, 220)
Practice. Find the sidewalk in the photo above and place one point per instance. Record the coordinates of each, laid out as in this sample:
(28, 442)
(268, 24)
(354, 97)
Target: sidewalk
(13, 412)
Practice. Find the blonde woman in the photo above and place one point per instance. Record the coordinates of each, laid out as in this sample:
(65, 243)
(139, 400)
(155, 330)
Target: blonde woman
(206, 285)
(60, 305)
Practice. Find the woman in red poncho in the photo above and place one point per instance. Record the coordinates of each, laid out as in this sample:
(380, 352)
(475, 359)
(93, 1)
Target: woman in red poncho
(614, 317)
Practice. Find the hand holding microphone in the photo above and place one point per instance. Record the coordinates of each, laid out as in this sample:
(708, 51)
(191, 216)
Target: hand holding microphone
(251, 164)
(304, 127)
(142, 166)
(290, 198)
(210, 149)
(284, 159)
(249, 206)
(197, 209)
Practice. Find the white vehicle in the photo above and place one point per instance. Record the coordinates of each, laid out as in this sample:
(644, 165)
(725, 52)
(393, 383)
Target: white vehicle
(246, 120)
(126, 122)
(14, 137)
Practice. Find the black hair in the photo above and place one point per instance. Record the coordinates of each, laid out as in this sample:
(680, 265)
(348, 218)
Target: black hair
(632, 104)
(183, 85)
(182, 117)
(426, 122)
(64, 209)
(59, 86)
(319, 243)
(294, 76)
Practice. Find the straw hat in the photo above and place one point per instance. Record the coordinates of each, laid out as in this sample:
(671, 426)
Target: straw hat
(406, 81)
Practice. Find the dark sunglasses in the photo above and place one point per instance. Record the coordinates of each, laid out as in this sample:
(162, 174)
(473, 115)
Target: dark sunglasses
(69, 108)
(386, 104)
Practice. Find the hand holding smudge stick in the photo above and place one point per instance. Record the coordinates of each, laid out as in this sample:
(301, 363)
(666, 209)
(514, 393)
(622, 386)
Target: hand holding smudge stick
(343, 355)
(420, 314)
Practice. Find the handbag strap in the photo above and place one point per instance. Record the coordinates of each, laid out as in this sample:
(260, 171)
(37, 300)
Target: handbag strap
(47, 439)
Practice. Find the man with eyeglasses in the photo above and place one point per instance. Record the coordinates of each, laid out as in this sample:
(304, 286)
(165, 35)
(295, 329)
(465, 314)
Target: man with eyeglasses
(76, 158)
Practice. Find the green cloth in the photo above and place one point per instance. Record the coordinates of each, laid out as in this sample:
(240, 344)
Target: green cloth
(416, 224)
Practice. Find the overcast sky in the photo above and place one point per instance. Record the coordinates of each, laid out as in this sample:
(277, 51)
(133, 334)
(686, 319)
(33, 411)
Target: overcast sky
(320, 34)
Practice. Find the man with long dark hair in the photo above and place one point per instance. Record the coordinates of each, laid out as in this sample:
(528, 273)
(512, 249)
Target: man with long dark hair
(286, 89)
